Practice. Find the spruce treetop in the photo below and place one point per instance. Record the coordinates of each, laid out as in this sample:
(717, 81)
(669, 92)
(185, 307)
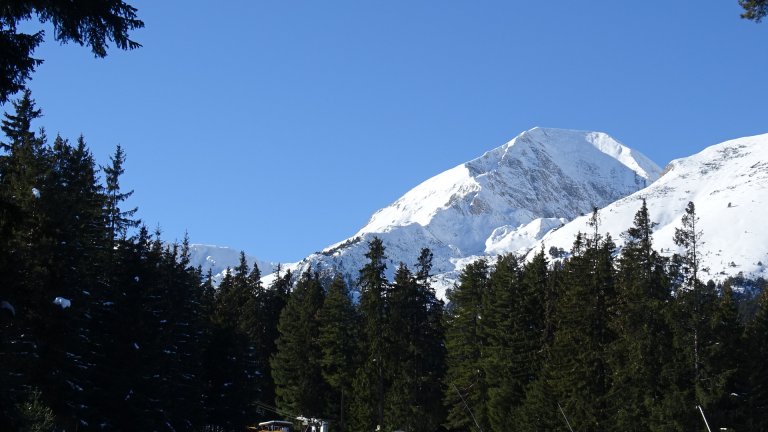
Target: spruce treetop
(84, 22)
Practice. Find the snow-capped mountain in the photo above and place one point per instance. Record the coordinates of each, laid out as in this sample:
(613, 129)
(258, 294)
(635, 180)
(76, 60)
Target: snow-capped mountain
(728, 184)
(504, 201)
(218, 258)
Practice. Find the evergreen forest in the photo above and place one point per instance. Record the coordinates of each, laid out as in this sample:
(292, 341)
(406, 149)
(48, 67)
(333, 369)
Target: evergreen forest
(105, 326)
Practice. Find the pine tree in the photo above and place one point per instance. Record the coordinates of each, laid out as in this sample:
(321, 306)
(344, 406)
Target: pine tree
(24, 169)
(689, 238)
(18, 127)
(208, 298)
(466, 386)
(233, 361)
(118, 220)
(412, 351)
(694, 300)
(644, 340)
(754, 10)
(756, 403)
(538, 299)
(370, 386)
(516, 334)
(503, 351)
(429, 360)
(338, 340)
(25, 253)
(399, 349)
(263, 330)
(35, 415)
(71, 202)
(176, 304)
(577, 375)
(722, 353)
(296, 366)
(93, 24)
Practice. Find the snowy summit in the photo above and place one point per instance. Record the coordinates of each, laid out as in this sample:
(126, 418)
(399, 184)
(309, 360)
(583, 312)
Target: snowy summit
(503, 201)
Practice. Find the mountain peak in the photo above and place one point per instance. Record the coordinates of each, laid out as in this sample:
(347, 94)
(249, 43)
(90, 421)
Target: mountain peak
(507, 198)
(573, 141)
(521, 178)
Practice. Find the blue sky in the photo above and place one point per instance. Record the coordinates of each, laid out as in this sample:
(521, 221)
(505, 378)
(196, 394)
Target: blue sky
(279, 127)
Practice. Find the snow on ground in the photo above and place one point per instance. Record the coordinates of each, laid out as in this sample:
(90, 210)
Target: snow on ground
(728, 184)
(62, 302)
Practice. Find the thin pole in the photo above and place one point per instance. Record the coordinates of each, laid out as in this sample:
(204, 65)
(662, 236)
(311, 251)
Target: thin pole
(566, 417)
(467, 407)
(704, 417)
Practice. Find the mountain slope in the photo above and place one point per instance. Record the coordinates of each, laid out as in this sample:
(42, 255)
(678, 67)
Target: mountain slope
(727, 182)
(505, 200)
(218, 258)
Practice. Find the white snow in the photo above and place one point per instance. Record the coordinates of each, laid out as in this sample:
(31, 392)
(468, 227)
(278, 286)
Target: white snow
(421, 203)
(728, 184)
(516, 197)
(503, 201)
(218, 258)
(62, 302)
(520, 239)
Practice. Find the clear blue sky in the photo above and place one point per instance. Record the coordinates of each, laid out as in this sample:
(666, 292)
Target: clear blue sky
(279, 127)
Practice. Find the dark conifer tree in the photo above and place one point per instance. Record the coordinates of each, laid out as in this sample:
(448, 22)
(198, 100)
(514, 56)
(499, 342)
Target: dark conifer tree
(466, 386)
(24, 169)
(756, 397)
(208, 295)
(338, 340)
(296, 366)
(412, 352)
(72, 202)
(644, 341)
(429, 360)
(119, 221)
(87, 23)
(502, 353)
(18, 126)
(25, 283)
(719, 388)
(370, 385)
(231, 363)
(176, 303)
(263, 329)
(578, 376)
(398, 334)
(516, 334)
(699, 373)
(688, 236)
(754, 10)
(538, 299)
(693, 302)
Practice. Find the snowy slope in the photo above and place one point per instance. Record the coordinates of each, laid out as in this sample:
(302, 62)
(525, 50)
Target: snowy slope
(218, 258)
(728, 184)
(505, 200)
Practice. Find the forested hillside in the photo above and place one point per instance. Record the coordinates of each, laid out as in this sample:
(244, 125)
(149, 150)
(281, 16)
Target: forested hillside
(103, 326)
